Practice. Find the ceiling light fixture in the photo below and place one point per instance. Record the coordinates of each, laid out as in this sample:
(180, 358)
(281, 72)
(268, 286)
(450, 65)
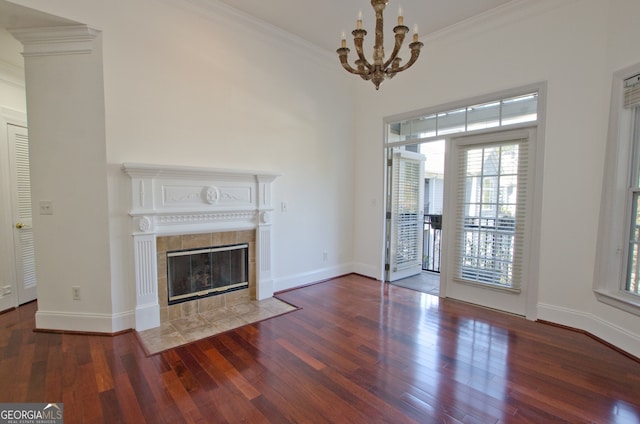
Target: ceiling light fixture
(380, 69)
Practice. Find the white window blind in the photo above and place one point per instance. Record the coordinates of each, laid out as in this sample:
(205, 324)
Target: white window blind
(632, 284)
(632, 92)
(490, 217)
(407, 240)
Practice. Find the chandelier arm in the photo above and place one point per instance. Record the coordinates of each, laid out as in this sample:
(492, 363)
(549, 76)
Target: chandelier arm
(352, 70)
(342, 53)
(400, 32)
(358, 40)
(415, 52)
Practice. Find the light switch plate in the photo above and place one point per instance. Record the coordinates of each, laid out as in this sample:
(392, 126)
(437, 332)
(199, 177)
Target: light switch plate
(46, 207)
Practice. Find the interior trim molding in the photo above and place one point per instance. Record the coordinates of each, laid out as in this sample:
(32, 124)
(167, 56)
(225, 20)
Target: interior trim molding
(596, 327)
(82, 333)
(596, 338)
(53, 321)
(220, 11)
(53, 41)
(312, 277)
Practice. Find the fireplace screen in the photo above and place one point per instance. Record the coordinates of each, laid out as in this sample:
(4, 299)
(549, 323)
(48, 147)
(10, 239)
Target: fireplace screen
(204, 272)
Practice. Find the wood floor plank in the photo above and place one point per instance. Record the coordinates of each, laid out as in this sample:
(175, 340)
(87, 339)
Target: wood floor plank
(104, 373)
(356, 351)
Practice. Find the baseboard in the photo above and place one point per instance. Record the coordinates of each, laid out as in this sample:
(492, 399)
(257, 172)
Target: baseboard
(82, 333)
(83, 323)
(4, 311)
(367, 270)
(123, 321)
(147, 316)
(619, 338)
(306, 278)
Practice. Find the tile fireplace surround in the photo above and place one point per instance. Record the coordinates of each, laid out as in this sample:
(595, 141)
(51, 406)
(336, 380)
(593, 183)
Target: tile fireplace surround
(196, 204)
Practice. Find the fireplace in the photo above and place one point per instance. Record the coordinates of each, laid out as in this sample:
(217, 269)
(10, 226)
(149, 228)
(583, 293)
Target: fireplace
(175, 208)
(198, 273)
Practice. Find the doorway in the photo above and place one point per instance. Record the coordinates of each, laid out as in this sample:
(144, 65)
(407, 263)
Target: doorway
(489, 227)
(414, 224)
(17, 260)
(19, 278)
(21, 208)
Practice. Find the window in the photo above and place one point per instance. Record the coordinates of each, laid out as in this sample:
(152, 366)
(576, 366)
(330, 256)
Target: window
(618, 267)
(494, 114)
(633, 255)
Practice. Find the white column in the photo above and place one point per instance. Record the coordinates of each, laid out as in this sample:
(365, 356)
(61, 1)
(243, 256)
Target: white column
(65, 107)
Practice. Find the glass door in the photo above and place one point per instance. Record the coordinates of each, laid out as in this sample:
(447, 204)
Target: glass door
(405, 216)
(489, 231)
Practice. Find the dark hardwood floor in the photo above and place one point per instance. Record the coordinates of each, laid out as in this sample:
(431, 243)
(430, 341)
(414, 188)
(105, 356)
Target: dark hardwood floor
(357, 352)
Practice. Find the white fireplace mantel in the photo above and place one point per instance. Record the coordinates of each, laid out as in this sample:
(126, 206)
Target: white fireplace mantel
(169, 200)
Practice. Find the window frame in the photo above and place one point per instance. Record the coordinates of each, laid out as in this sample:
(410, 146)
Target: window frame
(615, 211)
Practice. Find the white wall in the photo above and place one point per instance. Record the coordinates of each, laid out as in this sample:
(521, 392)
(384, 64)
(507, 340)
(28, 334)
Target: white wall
(574, 45)
(188, 85)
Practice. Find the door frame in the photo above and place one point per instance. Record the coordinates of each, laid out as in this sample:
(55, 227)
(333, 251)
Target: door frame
(8, 273)
(534, 261)
(473, 293)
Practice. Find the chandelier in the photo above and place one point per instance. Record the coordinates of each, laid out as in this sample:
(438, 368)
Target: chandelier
(380, 69)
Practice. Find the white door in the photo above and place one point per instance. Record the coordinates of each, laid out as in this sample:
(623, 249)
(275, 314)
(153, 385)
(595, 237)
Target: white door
(488, 228)
(21, 213)
(406, 215)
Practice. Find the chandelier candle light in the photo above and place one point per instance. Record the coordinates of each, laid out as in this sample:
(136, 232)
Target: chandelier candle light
(380, 69)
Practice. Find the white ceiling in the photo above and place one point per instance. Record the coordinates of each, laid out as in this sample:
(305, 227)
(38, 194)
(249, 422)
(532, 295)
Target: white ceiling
(322, 21)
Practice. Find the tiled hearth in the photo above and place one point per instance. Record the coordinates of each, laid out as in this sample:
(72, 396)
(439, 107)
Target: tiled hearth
(238, 311)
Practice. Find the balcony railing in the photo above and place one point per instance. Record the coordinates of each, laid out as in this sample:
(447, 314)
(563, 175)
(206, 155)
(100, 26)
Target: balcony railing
(431, 243)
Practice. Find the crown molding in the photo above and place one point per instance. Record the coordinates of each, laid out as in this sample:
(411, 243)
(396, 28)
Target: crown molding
(58, 40)
(219, 11)
(513, 11)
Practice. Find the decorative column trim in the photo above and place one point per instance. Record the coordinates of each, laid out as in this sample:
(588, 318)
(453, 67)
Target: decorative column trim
(264, 289)
(146, 267)
(52, 41)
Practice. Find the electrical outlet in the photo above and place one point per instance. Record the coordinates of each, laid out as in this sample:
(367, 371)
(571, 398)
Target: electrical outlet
(6, 290)
(75, 291)
(325, 256)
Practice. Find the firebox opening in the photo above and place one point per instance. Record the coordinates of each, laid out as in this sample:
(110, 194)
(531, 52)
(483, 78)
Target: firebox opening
(198, 273)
